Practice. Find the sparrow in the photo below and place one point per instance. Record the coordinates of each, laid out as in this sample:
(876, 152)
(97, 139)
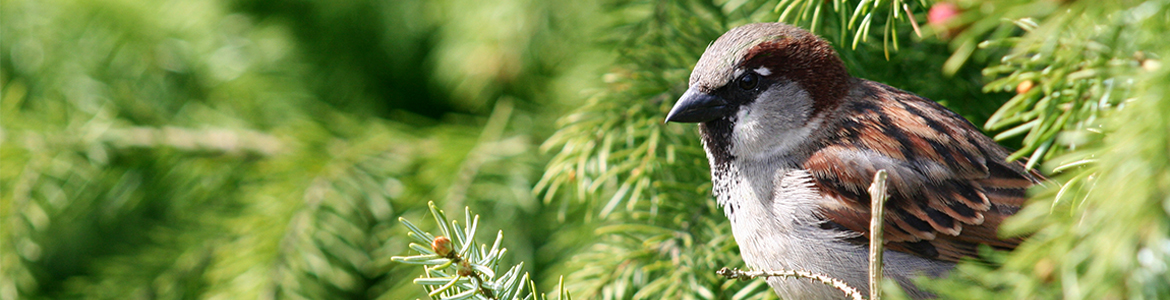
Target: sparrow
(794, 141)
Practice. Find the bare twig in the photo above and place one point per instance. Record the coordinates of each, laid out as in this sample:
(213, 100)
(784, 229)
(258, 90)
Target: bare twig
(834, 282)
(877, 193)
(191, 139)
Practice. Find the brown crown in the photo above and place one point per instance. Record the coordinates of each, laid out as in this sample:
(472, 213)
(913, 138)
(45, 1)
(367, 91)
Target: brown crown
(787, 51)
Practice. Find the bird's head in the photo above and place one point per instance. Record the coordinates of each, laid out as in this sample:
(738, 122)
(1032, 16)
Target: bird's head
(760, 89)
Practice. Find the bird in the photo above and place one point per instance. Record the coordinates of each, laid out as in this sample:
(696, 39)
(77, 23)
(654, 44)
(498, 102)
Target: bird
(793, 141)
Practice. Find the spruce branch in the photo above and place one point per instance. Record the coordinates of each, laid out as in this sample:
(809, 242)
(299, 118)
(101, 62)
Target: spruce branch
(853, 19)
(1068, 63)
(456, 267)
(1071, 67)
(1089, 96)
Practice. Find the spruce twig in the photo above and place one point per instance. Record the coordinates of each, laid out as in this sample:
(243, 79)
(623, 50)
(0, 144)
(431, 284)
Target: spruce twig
(459, 268)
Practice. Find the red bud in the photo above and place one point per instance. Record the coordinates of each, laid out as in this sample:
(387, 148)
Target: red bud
(441, 245)
(942, 12)
(1024, 86)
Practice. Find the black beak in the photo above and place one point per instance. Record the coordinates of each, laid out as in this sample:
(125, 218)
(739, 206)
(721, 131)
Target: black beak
(698, 107)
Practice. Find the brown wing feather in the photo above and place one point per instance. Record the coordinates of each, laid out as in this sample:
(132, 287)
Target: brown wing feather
(949, 185)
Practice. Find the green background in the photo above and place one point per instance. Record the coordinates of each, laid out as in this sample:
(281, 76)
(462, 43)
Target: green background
(244, 149)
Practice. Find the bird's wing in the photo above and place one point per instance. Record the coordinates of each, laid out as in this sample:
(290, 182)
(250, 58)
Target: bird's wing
(949, 185)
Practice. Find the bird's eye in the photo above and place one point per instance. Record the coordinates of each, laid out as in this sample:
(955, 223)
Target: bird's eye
(748, 81)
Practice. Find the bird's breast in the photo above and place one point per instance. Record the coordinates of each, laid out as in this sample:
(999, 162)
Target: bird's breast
(773, 217)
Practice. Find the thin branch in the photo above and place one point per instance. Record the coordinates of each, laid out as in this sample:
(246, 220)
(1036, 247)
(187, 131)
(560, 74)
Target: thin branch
(190, 139)
(878, 195)
(850, 292)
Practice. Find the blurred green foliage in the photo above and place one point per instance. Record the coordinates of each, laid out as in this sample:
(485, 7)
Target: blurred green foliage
(267, 149)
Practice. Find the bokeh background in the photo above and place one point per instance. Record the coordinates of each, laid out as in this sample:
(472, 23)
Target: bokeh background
(262, 149)
(251, 149)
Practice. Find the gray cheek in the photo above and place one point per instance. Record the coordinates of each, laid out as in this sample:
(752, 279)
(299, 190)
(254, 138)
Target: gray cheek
(783, 106)
(774, 123)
